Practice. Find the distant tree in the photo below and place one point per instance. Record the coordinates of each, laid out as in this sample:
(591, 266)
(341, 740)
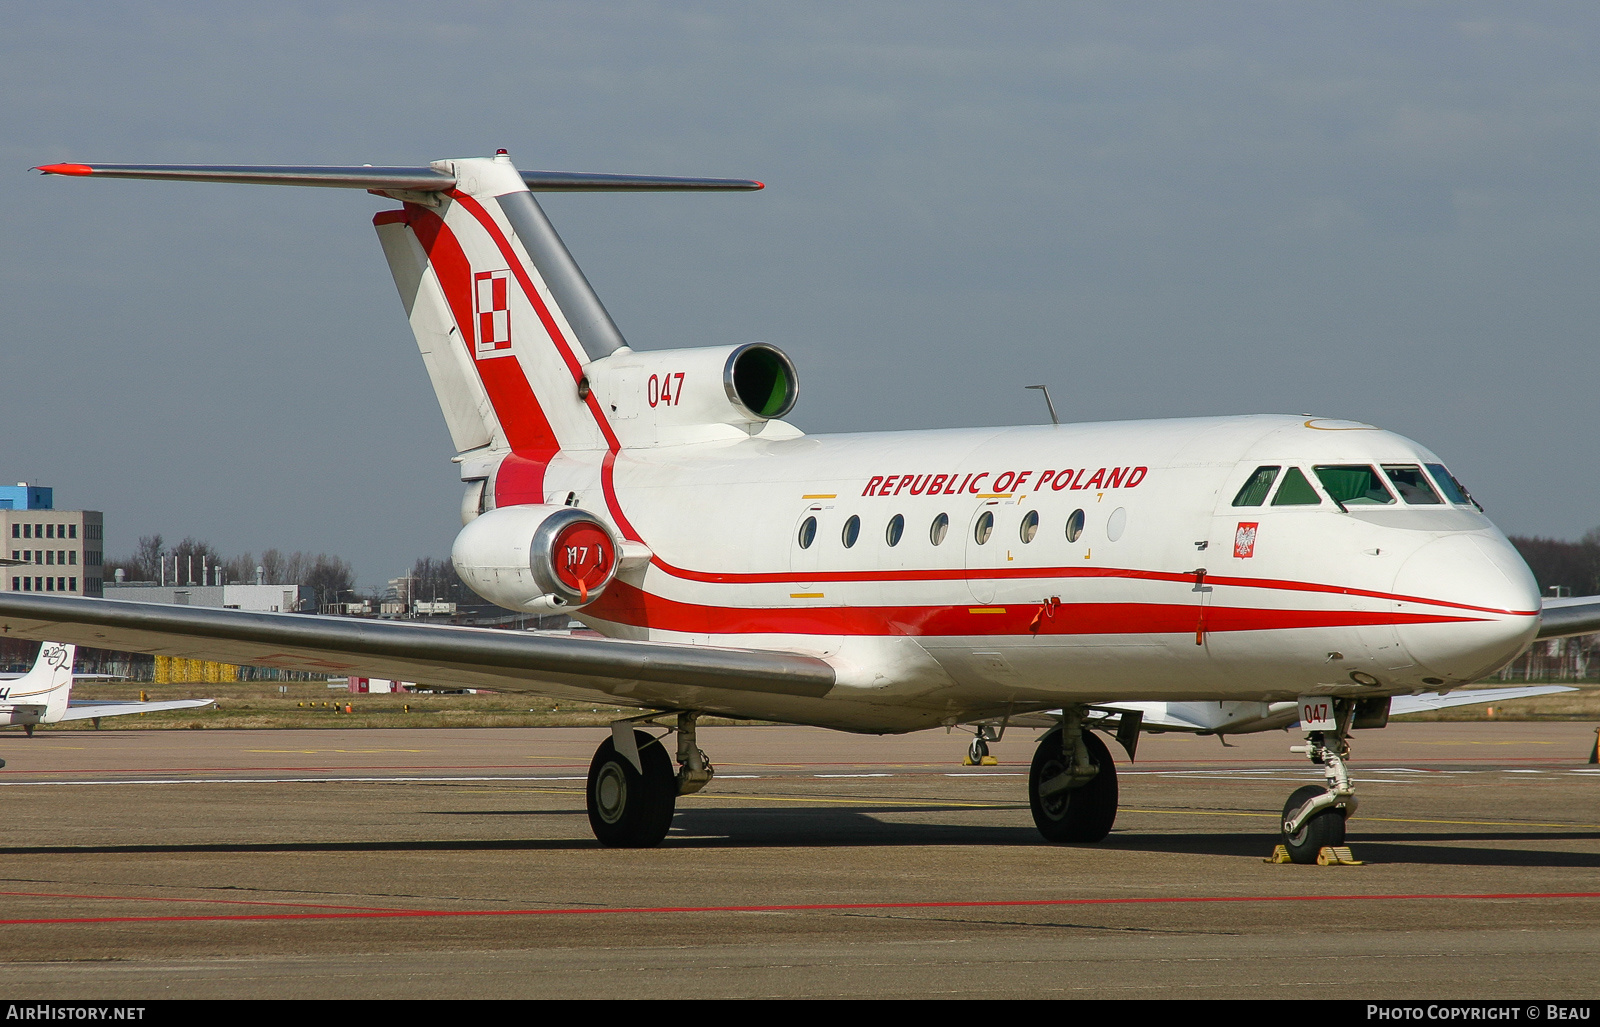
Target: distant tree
(1571, 565)
(433, 580)
(330, 577)
(191, 561)
(143, 565)
(147, 558)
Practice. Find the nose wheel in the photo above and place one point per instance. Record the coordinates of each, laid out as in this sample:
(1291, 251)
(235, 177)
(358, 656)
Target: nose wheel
(1316, 831)
(1314, 818)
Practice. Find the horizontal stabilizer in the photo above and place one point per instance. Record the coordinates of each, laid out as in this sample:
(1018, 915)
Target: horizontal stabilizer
(417, 180)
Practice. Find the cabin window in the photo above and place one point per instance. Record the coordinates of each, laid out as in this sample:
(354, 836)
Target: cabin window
(1255, 490)
(939, 529)
(1030, 527)
(1075, 526)
(1296, 490)
(1449, 485)
(808, 532)
(1412, 484)
(851, 531)
(983, 528)
(892, 533)
(1353, 485)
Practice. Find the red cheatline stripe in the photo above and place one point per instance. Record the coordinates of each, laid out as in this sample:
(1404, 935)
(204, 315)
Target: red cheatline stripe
(819, 907)
(1000, 573)
(624, 604)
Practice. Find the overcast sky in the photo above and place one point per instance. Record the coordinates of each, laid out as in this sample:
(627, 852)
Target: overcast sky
(1384, 212)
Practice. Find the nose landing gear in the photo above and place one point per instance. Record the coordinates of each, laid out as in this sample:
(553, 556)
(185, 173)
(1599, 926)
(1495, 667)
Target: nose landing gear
(1314, 818)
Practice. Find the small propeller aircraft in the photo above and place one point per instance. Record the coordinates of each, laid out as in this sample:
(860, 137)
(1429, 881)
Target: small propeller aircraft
(878, 582)
(44, 695)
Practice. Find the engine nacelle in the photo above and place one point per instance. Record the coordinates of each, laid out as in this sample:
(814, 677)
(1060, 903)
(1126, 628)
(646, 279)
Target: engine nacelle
(672, 396)
(536, 557)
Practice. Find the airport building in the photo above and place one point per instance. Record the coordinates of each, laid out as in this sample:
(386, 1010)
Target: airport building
(60, 551)
(258, 598)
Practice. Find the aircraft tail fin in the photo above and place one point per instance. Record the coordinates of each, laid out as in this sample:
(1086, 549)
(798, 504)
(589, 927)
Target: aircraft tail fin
(504, 318)
(48, 686)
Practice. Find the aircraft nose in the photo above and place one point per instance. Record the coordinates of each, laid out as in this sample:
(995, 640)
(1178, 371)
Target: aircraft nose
(1491, 590)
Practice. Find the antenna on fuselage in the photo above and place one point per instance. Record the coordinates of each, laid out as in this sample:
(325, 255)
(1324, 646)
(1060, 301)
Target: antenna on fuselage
(1046, 390)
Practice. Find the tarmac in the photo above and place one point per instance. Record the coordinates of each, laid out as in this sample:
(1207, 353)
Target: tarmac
(459, 864)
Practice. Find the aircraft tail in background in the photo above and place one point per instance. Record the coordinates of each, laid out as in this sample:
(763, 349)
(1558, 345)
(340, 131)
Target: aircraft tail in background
(44, 695)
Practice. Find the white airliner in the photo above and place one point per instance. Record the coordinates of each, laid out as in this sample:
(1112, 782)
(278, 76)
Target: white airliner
(875, 583)
(44, 695)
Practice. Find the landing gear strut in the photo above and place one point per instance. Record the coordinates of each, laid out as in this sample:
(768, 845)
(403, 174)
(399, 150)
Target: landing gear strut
(1072, 786)
(632, 791)
(1314, 817)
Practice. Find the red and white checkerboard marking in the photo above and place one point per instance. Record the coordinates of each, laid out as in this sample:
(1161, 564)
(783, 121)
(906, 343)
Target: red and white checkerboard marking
(491, 297)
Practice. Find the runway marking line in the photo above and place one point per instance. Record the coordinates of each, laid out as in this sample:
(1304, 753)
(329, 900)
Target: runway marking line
(818, 907)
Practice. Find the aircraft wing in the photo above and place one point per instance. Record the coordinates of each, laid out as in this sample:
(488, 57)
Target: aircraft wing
(635, 673)
(1402, 704)
(92, 710)
(1240, 718)
(1575, 615)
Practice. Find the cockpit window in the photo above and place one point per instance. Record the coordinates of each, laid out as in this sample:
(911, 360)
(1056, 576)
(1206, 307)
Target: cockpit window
(1296, 490)
(1412, 484)
(1353, 485)
(1449, 486)
(1255, 490)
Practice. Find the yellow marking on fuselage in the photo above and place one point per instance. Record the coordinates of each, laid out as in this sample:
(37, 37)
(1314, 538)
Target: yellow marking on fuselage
(986, 609)
(805, 595)
(831, 495)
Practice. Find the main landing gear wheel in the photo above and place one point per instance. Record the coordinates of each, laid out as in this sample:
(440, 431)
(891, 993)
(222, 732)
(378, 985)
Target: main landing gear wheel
(1083, 814)
(629, 809)
(1325, 828)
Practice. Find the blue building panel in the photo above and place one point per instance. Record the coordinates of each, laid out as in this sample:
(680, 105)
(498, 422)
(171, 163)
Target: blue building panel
(27, 497)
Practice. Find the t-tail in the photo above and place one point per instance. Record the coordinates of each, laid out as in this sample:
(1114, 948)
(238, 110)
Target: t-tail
(527, 363)
(523, 356)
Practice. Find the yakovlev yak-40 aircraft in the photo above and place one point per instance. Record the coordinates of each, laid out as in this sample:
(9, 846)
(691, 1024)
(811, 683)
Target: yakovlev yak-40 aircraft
(878, 583)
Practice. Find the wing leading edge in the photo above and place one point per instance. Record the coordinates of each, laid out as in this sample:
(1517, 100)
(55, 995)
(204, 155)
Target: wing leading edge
(1577, 615)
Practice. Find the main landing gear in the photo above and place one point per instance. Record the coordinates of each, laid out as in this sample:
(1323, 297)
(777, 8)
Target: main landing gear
(633, 791)
(1072, 786)
(1314, 817)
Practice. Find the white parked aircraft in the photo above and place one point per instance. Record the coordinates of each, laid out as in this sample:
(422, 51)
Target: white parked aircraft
(44, 695)
(876, 583)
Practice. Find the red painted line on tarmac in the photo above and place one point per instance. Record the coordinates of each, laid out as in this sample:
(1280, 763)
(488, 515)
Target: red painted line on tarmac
(805, 908)
(165, 898)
